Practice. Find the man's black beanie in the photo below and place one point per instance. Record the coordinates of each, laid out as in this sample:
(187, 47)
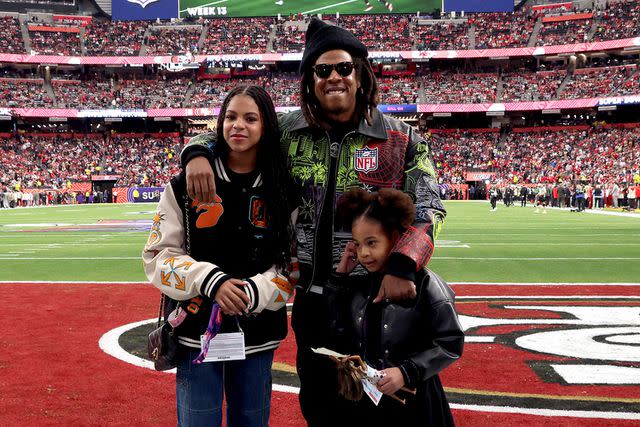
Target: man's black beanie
(322, 37)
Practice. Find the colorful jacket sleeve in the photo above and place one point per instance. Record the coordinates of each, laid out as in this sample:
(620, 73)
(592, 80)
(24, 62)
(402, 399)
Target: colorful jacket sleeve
(415, 247)
(166, 263)
(170, 269)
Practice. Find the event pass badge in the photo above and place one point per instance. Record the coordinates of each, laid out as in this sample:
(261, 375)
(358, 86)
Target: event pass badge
(224, 347)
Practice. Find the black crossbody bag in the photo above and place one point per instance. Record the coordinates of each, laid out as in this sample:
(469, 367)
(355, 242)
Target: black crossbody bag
(162, 344)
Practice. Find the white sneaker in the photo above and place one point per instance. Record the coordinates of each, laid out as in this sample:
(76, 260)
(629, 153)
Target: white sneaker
(544, 211)
(368, 8)
(389, 6)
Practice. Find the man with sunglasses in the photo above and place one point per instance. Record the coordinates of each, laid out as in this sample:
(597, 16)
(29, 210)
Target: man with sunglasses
(339, 140)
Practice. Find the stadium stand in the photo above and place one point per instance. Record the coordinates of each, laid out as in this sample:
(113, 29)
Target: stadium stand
(588, 149)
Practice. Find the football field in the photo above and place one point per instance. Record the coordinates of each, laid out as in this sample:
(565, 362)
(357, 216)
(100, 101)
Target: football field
(104, 243)
(235, 8)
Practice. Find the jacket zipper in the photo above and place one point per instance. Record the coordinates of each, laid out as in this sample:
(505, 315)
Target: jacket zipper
(315, 233)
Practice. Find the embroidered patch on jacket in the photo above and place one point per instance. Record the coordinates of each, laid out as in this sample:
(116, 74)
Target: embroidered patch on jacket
(366, 159)
(258, 214)
(155, 235)
(208, 214)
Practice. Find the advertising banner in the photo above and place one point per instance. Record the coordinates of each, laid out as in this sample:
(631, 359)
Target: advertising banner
(144, 194)
(238, 8)
(141, 10)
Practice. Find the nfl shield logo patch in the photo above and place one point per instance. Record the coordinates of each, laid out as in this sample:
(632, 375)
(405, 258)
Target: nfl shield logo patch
(366, 160)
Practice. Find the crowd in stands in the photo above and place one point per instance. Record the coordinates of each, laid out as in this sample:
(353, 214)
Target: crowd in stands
(495, 30)
(393, 32)
(447, 35)
(238, 36)
(597, 155)
(398, 90)
(55, 43)
(114, 38)
(630, 86)
(380, 32)
(56, 161)
(211, 92)
(447, 87)
(597, 82)
(84, 94)
(620, 20)
(564, 32)
(531, 86)
(174, 41)
(151, 93)
(20, 93)
(10, 35)
(290, 37)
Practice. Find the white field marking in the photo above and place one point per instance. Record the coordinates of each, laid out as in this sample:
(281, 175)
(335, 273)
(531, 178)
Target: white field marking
(108, 282)
(537, 259)
(78, 258)
(451, 244)
(43, 224)
(85, 243)
(569, 297)
(564, 236)
(609, 213)
(328, 7)
(548, 412)
(546, 283)
(598, 374)
(109, 344)
(478, 338)
(69, 282)
(546, 244)
(205, 5)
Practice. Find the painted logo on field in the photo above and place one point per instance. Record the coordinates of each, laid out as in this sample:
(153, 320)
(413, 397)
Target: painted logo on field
(571, 348)
(558, 350)
(366, 160)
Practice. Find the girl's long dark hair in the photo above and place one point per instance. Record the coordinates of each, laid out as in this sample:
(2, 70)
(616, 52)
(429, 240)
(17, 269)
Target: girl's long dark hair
(366, 97)
(271, 164)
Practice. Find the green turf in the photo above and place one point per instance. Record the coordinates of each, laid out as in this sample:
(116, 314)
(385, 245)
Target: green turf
(509, 245)
(234, 8)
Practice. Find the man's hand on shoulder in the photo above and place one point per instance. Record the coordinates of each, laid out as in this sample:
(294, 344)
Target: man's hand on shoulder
(395, 289)
(201, 184)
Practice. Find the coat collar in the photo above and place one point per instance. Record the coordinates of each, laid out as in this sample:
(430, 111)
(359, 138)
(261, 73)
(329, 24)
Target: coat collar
(376, 131)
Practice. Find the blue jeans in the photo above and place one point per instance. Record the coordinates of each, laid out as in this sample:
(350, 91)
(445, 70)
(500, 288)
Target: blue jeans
(245, 383)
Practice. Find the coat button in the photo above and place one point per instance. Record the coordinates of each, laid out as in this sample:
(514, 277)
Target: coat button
(359, 319)
(385, 326)
(386, 352)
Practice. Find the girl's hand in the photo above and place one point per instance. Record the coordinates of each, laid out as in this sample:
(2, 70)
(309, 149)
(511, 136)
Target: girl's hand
(392, 381)
(349, 259)
(232, 300)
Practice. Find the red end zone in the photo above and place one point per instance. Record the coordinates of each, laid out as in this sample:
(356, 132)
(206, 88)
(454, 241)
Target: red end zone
(570, 352)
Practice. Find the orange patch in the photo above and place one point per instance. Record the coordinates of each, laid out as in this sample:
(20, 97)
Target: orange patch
(208, 214)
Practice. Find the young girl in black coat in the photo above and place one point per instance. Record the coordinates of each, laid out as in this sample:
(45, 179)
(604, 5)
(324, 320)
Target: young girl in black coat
(411, 342)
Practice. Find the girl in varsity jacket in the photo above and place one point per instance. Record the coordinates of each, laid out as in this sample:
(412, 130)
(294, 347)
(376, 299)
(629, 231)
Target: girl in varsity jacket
(238, 253)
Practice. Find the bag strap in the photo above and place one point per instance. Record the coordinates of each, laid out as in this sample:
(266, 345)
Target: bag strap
(188, 250)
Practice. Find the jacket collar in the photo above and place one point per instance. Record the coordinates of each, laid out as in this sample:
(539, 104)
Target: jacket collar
(376, 131)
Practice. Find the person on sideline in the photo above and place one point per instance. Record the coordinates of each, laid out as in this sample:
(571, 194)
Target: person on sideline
(237, 249)
(339, 140)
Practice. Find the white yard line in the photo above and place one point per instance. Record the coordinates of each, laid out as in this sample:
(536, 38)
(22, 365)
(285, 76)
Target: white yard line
(327, 7)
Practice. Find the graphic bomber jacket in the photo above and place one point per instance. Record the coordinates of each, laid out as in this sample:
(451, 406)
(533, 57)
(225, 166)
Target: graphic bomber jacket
(387, 154)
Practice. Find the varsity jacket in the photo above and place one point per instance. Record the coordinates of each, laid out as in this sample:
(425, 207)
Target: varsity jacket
(386, 154)
(229, 238)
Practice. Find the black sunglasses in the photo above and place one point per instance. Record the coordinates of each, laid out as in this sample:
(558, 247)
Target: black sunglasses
(324, 70)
